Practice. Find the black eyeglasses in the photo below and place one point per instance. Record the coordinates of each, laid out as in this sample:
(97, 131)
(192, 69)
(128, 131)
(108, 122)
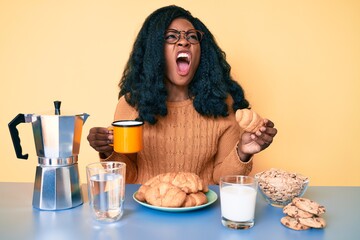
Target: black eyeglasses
(193, 36)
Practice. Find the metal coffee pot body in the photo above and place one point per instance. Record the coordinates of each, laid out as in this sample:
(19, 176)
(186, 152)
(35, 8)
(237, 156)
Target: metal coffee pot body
(57, 142)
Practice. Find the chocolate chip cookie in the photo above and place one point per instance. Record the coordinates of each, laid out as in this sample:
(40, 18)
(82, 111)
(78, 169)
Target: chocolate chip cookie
(293, 223)
(309, 206)
(314, 222)
(295, 212)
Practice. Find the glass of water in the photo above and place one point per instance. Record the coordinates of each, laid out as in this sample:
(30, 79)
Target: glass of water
(106, 188)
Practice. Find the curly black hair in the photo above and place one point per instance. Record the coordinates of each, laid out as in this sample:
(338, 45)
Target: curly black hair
(143, 84)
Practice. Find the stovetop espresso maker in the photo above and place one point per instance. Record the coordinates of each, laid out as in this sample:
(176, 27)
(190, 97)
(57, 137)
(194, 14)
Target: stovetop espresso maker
(57, 141)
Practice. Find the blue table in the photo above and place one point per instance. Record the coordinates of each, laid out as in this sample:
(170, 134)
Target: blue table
(19, 220)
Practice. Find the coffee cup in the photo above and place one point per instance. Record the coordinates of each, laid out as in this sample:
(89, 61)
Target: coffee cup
(128, 136)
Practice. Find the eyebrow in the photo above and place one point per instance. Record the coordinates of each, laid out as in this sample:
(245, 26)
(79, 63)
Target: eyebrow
(173, 29)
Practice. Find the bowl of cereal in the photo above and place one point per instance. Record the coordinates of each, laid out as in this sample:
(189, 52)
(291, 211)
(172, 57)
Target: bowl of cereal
(279, 187)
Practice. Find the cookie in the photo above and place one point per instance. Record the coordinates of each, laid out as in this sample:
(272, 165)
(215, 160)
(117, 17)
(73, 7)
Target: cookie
(314, 222)
(296, 212)
(293, 223)
(309, 205)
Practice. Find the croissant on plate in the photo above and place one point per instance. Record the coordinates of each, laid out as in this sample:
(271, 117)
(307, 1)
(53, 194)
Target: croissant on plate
(181, 189)
(249, 120)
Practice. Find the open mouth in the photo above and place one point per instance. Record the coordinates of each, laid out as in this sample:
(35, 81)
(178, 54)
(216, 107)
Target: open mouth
(183, 63)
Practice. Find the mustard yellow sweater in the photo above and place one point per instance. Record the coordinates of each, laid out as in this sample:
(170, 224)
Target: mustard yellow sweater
(183, 141)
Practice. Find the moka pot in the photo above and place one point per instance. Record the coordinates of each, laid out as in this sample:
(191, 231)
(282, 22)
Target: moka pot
(57, 142)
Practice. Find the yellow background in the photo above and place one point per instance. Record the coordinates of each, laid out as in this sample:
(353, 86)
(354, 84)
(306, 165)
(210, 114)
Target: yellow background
(299, 62)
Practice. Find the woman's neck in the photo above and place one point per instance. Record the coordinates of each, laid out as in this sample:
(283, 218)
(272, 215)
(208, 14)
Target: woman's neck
(176, 94)
(177, 98)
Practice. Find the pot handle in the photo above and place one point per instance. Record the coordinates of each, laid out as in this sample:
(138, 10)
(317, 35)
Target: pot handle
(20, 118)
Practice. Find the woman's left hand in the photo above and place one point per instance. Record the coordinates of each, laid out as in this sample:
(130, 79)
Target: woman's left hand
(252, 143)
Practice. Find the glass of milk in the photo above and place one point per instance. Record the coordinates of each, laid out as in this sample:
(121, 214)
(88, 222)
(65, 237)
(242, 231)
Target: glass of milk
(238, 200)
(106, 189)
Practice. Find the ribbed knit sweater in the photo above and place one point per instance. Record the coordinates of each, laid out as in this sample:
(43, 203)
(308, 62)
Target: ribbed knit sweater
(183, 140)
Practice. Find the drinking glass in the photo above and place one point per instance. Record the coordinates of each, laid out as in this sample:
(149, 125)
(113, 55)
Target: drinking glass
(238, 200)
(106, 188)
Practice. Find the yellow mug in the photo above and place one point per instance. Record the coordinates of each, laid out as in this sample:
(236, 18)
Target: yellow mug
(128, 136)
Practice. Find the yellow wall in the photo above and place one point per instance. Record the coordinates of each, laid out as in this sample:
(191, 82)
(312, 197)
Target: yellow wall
(299, 62)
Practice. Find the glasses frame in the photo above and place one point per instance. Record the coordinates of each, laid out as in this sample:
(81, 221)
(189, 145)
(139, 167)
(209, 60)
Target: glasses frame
(178, 35)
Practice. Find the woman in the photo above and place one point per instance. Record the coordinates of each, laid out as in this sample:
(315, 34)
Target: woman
(178, 82)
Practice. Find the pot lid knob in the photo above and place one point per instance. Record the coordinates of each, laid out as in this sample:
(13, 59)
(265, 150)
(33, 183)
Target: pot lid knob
(57, 105)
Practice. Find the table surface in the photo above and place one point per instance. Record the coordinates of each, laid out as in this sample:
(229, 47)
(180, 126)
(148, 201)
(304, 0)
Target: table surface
(19, 220)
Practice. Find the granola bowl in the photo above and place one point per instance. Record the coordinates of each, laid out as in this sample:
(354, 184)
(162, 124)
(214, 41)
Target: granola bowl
(279, 187)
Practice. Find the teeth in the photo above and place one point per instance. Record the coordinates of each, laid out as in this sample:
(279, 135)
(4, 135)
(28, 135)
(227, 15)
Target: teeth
(183, 55)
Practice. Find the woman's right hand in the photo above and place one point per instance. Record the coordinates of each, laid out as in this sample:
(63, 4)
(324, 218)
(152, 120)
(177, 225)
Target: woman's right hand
(99, 138)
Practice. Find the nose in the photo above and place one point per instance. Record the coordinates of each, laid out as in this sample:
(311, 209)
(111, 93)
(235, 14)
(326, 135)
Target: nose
(182, 40)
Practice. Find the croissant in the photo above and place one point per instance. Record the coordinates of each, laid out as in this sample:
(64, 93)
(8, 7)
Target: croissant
(165, 195)
(140, 195)
(195, 199)
(249, 120)
(181, 189)
(188, 182)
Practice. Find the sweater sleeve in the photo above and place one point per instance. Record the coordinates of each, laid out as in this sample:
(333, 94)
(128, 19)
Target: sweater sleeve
(125, 112)
(227, 161)
(232, 165)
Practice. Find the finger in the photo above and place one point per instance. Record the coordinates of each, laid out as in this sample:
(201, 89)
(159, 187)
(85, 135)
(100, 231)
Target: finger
(103, 137)
(99, 143)
(106, 148)
(268, 127)
(268, 123)
(99, 130)
(100, 136)
(266, 139)
(259, 140)
(97, 137)
(265, 136)
(270, 131)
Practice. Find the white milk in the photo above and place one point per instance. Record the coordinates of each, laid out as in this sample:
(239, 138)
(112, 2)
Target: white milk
(238, 203)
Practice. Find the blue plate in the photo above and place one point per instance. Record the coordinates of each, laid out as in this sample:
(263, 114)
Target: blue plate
(211, 197)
